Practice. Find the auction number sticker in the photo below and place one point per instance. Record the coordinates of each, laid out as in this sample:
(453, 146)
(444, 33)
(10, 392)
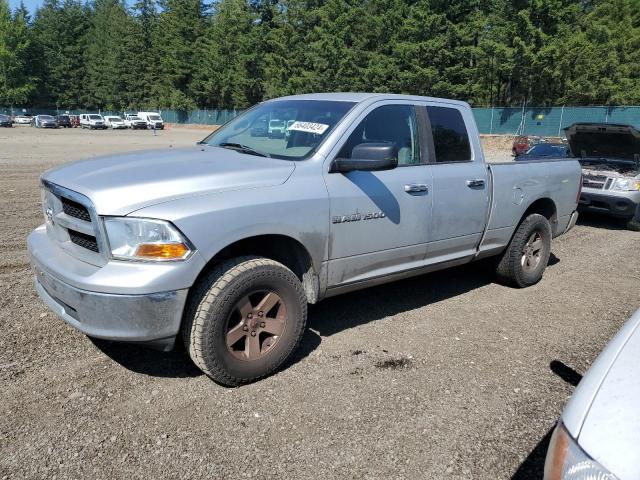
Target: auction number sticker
(309, 127)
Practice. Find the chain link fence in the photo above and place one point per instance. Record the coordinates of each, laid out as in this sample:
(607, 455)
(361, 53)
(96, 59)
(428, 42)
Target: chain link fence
(542, 121)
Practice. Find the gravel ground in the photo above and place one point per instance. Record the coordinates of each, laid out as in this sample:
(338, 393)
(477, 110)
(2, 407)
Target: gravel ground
(448, 375)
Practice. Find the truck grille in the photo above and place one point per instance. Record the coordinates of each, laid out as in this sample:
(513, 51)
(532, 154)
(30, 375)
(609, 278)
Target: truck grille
(70, 223)
(83, 240)
(75, 210)
(594, 181)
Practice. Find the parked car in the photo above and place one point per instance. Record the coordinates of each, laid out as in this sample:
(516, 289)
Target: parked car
(225, 243)
(114, 122)
(134, 122)
(259, 128)
(22, 119)
(610, 158)
(92, 121)
(276, 128)
(547, 149)
(5, 121)
(64, 121)
(45, 121)
(597, 436)
(522, 143)
(153, 120)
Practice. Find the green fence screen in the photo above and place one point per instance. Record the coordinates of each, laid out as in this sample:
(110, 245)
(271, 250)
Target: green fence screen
(543, 121)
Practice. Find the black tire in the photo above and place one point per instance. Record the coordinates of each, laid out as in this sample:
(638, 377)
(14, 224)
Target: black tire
(633, 225)
(513, 268)
(211, 309)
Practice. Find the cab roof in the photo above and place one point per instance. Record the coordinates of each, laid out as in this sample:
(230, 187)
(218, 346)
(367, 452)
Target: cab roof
(359, 97)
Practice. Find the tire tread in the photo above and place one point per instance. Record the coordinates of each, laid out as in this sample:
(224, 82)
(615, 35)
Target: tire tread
(509, 271)
(212, 287)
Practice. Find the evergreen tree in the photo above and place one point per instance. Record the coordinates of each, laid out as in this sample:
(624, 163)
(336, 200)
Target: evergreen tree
(16, 85)
(181, 25)
(105, 53)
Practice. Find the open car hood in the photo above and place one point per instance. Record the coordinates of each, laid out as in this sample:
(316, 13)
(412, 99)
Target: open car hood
(608, 141)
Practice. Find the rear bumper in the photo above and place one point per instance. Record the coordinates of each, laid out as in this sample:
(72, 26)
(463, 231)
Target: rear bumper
(624, 205)
(152, 319)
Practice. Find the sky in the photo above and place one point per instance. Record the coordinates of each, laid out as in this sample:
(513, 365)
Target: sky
(30, 4)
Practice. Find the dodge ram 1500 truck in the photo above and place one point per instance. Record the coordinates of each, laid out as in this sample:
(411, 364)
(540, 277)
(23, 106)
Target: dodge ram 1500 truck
(225, 243)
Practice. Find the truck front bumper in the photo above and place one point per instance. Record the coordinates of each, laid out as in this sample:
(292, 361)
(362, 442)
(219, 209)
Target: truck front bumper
(149, 317)
(621, 205)
(152, 319)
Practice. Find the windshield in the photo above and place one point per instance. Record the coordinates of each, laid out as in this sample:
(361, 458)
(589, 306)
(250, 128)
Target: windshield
(95, 117)
(114, 119)
(134, 118)
(155, 118)
(311, 122)
(549, 150)
(46, 117)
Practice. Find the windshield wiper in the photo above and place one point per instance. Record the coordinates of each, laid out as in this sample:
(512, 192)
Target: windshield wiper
(242, 148)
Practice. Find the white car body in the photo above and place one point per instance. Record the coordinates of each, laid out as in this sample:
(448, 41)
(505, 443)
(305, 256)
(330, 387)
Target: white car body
(114, 122)
(276, 128)
(22, 120)
(603, 415)
(92, 121)
(153, 119)
(133, 121)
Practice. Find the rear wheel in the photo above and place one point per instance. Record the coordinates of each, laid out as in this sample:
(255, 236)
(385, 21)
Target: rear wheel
(244, 320)
(525, 259)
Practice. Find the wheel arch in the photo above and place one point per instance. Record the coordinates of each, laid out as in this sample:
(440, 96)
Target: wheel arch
(280, 248)
(546, 207)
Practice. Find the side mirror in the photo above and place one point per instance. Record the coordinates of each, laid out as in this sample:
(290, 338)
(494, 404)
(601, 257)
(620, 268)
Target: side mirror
(368, 157)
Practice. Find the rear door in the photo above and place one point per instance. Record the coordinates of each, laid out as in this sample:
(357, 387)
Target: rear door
(461, 190)
(380, 220)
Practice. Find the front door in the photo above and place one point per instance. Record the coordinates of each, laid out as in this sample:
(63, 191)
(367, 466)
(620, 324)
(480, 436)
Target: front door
(380, 220)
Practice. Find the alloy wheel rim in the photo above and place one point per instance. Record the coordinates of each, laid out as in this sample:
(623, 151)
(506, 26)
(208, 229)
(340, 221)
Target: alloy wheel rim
(532, 252)
(255, 325)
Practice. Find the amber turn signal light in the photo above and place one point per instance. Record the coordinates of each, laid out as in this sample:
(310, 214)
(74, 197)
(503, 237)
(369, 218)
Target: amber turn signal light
(166, 251)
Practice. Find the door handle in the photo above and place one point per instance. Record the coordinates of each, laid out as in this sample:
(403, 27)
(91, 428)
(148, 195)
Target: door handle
(475, 183)
(416, 188)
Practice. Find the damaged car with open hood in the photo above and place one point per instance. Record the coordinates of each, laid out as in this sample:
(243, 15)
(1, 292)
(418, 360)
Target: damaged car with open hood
(610, 158)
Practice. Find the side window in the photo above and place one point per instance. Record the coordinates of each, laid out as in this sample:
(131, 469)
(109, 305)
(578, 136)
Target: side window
(450, 137)
(388, 124)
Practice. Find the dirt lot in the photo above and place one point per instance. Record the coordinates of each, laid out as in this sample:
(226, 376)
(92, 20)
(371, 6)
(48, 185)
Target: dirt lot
(448, 375)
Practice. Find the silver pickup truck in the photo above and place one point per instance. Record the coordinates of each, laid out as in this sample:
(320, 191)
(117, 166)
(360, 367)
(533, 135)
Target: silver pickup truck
(226, 242)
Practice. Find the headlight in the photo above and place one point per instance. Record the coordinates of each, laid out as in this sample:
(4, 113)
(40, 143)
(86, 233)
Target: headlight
(567, 461)
(625, 184)
(145, 239)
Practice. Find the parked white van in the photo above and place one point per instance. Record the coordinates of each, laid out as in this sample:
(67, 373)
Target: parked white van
(152, 118)
(92, 121)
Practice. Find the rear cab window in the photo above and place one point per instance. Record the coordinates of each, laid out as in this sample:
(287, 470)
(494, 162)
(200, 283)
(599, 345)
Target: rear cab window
(450, 135)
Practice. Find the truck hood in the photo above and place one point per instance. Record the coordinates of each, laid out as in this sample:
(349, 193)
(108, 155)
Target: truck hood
(604, 141)
(118, 185)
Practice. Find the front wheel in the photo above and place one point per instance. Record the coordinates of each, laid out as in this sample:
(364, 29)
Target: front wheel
(634, 225)
(244, 320)
(523, 262)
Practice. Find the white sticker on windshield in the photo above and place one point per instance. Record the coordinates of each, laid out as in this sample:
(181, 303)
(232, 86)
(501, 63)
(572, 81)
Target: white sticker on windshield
(309, 127)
